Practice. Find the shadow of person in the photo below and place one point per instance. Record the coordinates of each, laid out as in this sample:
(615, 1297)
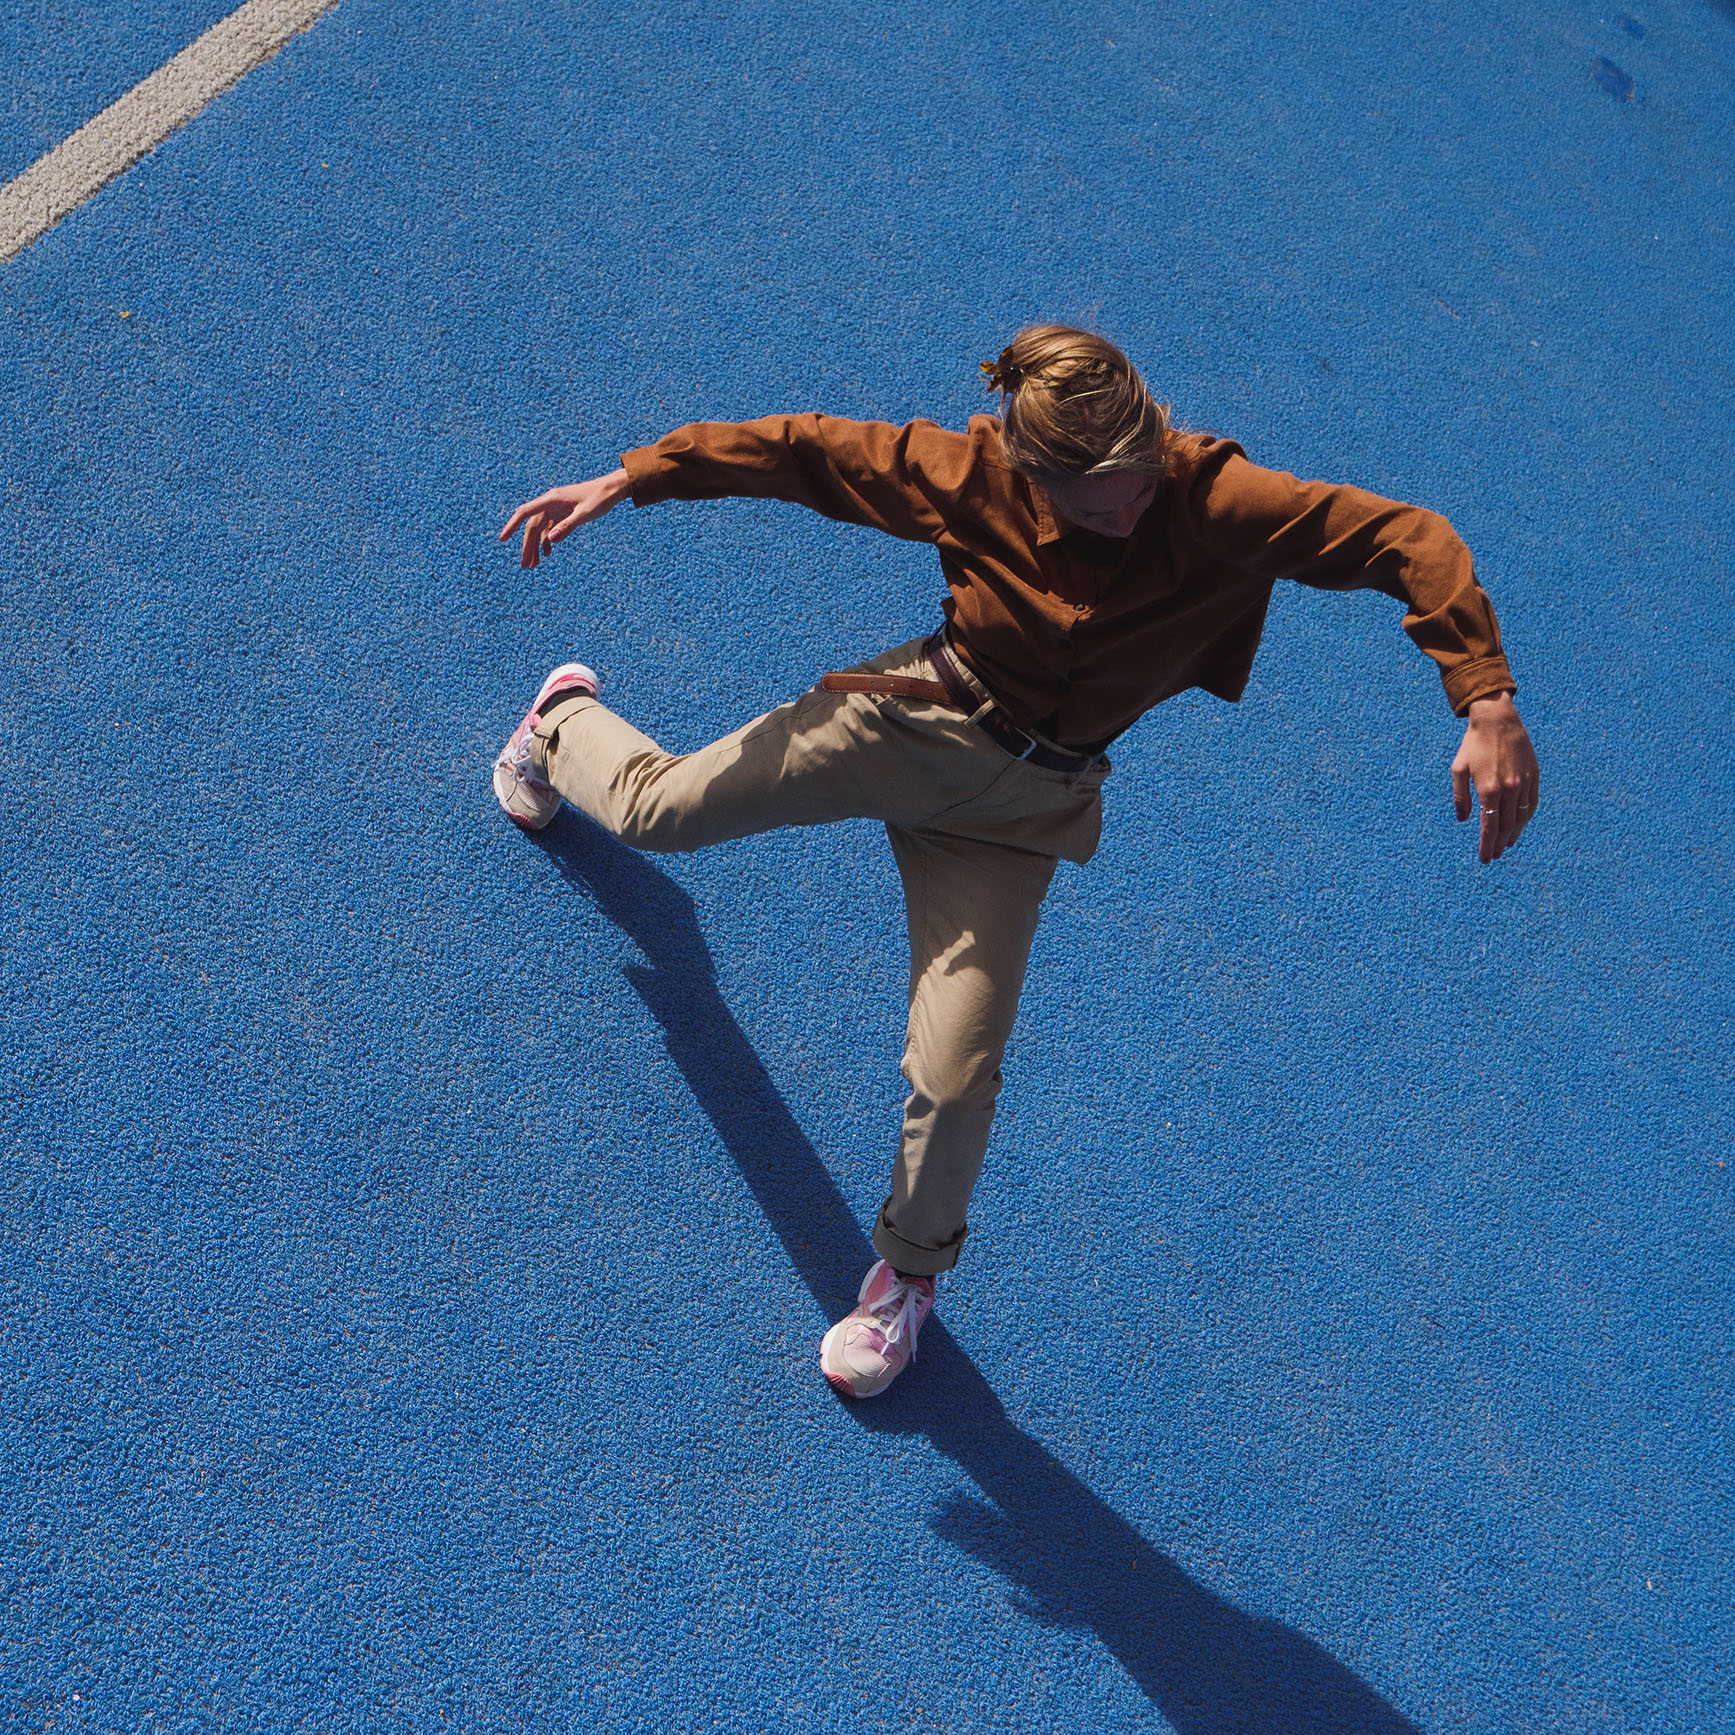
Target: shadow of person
(1071, 1560)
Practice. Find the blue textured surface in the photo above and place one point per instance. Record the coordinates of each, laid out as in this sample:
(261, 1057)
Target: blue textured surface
(62, 64)
(417, 1237)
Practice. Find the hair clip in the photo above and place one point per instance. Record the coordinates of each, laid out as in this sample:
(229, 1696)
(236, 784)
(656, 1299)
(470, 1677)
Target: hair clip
(1003, 375)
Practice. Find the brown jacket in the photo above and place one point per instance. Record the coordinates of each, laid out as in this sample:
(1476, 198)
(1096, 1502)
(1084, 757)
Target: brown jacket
(1078, 635)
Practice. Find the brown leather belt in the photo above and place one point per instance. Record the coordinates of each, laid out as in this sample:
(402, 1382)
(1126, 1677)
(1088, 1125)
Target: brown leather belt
(899, 686)
(953, 688)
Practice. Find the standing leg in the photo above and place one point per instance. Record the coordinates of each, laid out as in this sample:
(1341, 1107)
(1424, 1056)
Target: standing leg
(972, 909)
(972, 913)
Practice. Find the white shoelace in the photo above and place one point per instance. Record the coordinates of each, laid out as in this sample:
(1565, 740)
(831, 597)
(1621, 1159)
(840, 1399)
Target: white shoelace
(518, 759)
(895, 1313)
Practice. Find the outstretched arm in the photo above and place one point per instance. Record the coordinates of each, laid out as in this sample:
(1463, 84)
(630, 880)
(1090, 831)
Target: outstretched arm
(552, 517)
(906, 481)
(1496, 756)
(1340, 538)
(902, 480)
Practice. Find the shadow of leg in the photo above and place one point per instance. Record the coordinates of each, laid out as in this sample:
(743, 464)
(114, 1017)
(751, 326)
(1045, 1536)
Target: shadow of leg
(726, 1076)
(1071, 1561)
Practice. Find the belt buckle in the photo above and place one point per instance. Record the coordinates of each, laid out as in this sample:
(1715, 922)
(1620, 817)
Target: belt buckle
(1002, 731)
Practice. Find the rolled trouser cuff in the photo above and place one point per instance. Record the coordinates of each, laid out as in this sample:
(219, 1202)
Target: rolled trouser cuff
(909, 1256)
(548, 726)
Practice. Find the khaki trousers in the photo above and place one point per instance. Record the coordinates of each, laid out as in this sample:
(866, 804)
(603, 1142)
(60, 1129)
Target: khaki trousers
(976, 834)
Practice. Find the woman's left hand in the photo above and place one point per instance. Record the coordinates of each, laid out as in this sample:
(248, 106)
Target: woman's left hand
(1496, 756)
(555, 515)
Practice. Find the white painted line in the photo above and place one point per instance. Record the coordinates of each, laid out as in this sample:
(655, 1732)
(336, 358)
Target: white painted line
(102, 148)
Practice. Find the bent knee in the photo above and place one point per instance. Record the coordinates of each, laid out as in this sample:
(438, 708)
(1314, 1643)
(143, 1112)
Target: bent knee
(958, 1096)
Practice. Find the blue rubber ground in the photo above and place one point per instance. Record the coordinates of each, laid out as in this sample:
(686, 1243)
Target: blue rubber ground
(64, 63)
(417, 1236)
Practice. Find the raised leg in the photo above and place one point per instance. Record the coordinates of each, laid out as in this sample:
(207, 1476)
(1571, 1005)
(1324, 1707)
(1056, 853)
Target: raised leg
(822, 757)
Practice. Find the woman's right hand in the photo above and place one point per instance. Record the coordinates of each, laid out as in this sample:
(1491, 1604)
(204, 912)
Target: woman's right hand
(554, 515)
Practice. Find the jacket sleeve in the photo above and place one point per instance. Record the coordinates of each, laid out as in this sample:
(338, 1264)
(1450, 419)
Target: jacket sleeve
(902, 480)
(1334, 537)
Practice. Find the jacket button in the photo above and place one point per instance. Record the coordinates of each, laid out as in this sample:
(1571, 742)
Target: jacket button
(1065, 642)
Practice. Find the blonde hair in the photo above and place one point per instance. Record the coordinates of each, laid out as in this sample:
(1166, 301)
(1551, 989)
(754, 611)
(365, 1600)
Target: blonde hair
(1073, 405)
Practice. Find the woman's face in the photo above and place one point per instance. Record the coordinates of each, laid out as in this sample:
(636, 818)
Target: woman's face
(1111, 505)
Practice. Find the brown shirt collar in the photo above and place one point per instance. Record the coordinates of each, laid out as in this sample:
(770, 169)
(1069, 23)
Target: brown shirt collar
(1048, 525)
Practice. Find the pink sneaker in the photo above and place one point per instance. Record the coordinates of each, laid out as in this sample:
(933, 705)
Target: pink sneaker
(862, 1354)
(529, 801)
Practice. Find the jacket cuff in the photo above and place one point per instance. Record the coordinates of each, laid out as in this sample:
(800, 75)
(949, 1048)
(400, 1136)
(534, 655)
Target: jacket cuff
(648, 474)
(1480, 678)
